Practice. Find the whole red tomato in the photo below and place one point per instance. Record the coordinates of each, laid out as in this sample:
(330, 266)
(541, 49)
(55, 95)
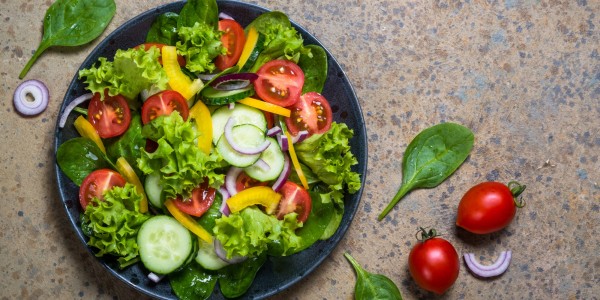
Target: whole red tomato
(488, 207)
(433, 263)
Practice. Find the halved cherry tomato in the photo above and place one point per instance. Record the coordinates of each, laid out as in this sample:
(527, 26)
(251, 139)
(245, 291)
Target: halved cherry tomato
(279, 82)
(110, 116)
(295, 199)
(270, 119)
(244, 181)
(202, 198)
(233, 40)
(312, 113)
(147, 46)
(96, 183)
(164, 103)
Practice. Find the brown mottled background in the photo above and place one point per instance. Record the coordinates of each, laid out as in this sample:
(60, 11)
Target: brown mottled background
(524, 75)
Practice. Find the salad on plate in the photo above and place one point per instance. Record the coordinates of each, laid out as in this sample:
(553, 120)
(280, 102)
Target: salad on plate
(208, 150)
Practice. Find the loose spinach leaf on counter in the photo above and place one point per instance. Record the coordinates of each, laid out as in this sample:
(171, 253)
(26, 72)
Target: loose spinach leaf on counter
(201, 11)
(314, 68)
(78, 157)
(432, 156)
(372, 286)
(72, 23)
(164, 29)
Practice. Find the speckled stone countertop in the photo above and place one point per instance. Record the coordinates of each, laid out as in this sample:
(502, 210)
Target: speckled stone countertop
(524, 75)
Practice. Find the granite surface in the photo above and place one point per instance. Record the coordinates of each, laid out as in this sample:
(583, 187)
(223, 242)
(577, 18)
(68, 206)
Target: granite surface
(524, 75)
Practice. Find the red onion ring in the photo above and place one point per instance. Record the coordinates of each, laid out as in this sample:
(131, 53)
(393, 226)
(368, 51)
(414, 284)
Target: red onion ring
(71, 106)
(224, 209)
(283, 176)
(223, 15)
(230, 180)
(222, 253)
(274, 131)
(239, 148)
(155, 278)
(262, 164)
(301, 136)
(235, 81)
(25, 92)
(495, 269)
(283, 142)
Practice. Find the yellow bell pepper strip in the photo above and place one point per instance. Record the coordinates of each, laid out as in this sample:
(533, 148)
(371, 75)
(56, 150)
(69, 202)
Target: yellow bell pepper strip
(295, 161)
(201, 116)
(188, 222)
(178, 81)
(86, 129)
(129, 174)
(251, 40)
(258, 195)
(266, 106)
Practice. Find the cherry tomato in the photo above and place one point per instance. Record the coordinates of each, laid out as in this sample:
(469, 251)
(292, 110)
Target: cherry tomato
(98, 182)
(279, 82)
(312, 113)
(164, 103)
(110, 116)
(233, 40)
(147, 46)
(295, 199)
(243, 181)
(488, 207)
(201, 200)
(433, 263)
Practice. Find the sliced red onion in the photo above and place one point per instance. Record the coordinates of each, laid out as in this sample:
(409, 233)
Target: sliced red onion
(208, 76)
(71, 106)
(224, 209)
(274, 131)
(230, 180)
(239, 148)
(283, 142)
(235, 81)
(155, 278)
(231, 105)
(495, 269)
(222, 254)
(225, 16)
(31, 97)
(301, 136)
(262, 164)
(283, 176)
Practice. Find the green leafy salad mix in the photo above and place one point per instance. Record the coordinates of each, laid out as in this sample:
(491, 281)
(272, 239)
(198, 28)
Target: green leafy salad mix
(208, 149)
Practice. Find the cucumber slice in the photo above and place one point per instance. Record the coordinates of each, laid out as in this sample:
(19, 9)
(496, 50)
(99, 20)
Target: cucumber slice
(207, 257)
(273, 156)
(164, 244)
(212, 96)
(244, 135)
(243, 114)
(154, 190)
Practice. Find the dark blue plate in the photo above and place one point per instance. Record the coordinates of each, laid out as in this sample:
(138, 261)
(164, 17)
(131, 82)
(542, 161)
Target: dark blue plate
(277, 274)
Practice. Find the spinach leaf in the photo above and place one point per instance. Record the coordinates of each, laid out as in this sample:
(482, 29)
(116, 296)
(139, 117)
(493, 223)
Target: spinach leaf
(129, 145)
(78, 157)
(201, 11)
(164, 29)
(207, 221)
(314, 68)
(193, 282)
(236, 279)
(432, 156)
(72, 23)
(270, 19)
(372, 286)
(320, 216)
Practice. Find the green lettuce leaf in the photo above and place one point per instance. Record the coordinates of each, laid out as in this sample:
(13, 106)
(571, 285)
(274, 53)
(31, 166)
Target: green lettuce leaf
(251, 232)
(131, 71)
(112, 224)
(200, 44)
(182, 166)
(328, 155)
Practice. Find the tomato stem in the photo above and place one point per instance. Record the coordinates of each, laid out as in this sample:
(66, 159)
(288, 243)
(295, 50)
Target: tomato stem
(425, 235)
(517, 189)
